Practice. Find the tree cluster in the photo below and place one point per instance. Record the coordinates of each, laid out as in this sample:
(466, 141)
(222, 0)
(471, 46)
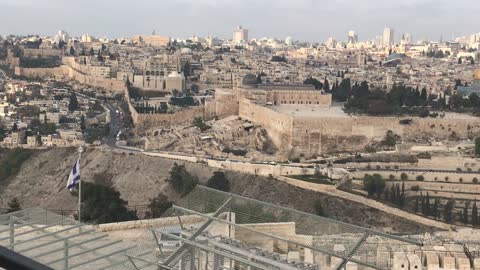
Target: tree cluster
(477, 146)
(219, 181)
(277, 58)
(41, 62)
(400, 100)
(396, 194)
(200, 123)
(187, 101)
(437, 54)
(181, 180)
(431, 207)
(318, 85)
(158, 206)
(373, 184)
(39, 128)
(73, 103)
(474, 218)
(13, 160)
(103, 204)
(145, 108)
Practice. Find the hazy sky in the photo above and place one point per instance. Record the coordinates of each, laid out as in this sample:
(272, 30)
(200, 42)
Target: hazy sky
(312, 20)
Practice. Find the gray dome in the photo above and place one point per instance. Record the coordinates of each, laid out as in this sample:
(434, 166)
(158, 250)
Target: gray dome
(249, 79)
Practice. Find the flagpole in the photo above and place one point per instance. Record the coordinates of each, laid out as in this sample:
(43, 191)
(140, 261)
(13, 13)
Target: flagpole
(80, 150)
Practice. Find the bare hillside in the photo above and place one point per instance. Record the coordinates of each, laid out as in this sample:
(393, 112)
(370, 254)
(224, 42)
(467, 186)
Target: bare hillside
(42, 179)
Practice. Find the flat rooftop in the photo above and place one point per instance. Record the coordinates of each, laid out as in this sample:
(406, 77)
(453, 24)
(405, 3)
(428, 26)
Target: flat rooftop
(310, 111)
(313, 111)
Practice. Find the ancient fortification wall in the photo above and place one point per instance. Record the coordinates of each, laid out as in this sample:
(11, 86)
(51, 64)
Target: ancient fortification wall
(35, 73)
(166, 119)
(67, 71)
(313, 136)
(108, 84)
(279, 126)
(42, 52)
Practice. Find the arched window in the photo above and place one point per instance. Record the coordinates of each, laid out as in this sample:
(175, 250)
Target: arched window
(147, 73)
(157, 73)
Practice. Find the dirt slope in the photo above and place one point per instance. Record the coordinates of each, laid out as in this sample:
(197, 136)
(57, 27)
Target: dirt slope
(42, 179)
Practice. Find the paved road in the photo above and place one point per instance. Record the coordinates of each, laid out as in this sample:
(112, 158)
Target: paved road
(116, 124)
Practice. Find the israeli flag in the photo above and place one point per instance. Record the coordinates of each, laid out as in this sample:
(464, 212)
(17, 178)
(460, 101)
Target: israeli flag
(74, 176)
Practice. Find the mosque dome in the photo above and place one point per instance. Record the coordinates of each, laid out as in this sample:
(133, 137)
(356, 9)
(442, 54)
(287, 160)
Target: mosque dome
(185, 51)
(249, 79)
(175, 74)
(476, 75)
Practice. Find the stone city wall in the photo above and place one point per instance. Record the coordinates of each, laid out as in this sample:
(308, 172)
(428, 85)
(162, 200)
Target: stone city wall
(108, 84)
(326, 135)
(313, 136)
(34, 73)
(223, 105)
(259, 169)
(278, 125)
(42, 52)
(67, 71)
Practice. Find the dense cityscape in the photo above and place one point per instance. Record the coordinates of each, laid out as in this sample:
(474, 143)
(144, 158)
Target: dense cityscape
(239, 153)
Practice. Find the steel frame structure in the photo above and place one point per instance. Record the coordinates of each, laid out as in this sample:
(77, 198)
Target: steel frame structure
(58, 242)
(51, 240)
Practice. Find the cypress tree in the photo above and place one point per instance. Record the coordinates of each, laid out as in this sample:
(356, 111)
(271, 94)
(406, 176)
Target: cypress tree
(423, 203)
(427, 205)
(416, 204)
(465, 213)
(402, 196)
(435, 208)
(474, 213)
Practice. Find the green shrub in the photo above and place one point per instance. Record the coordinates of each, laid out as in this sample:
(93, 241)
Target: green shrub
(219, 181)
(415, 188)
(317, 205)
(181, 180)
(11, 164)
(103, 204)
(373, 184)
(420, 178)
(200, 123)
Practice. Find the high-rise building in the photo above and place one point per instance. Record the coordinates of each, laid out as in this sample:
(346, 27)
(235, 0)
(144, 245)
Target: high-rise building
(407, 38)
(388, 38)
(61, 36)
(352, 37)
(86, 38)
(331, 42)
(289, 41)
(240, 35)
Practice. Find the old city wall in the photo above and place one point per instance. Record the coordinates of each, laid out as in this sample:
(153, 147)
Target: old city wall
(259, 169)
(166, 119)
(313, 136)
(279, 126)
(41, 52)
(67, 71)
(108, 84)
(226, 103)
(34, 73)
(151, 120)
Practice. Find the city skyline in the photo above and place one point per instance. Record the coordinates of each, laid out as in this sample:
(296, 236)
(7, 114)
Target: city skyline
(424, 19)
